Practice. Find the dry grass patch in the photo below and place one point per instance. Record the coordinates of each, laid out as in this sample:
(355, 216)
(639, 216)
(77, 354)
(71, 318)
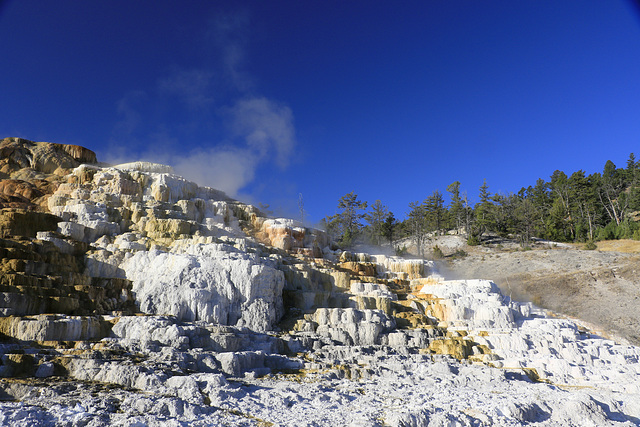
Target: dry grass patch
(624, 245)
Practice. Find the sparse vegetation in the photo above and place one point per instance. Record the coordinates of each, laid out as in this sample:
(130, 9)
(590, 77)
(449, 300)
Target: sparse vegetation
(459, 254)
(473, 241)
(401, 251)
(437, 252)
(575, 208)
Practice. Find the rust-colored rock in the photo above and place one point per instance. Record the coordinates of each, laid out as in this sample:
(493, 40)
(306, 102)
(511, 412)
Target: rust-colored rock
(359, 268)
(81, 154)
(30, 195)
(281, 236)
(44, 157)
(19, 189)
(14, 155)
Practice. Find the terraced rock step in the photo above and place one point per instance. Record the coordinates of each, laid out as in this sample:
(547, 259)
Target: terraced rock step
(48, 276)
(145, 299)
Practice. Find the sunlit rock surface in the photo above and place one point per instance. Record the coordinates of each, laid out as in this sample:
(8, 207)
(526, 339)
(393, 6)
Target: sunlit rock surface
(212, 282)
(132, 296)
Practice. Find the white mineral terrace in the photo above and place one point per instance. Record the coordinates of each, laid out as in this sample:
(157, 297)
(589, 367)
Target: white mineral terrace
(208, 348)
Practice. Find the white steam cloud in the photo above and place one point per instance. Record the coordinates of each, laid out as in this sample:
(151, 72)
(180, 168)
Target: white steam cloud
(189, 86)
(190, 106)
(266, 127)
(228, 168)
(264, 133)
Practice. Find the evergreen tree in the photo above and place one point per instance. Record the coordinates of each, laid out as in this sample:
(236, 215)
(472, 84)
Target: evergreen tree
(434, 212)
(468, 216)
(346, 226)
(633, 178)
(524, 219)
(416, 220)
(559, 221)
(456, 207)
(389, 227)
(483, 214)
(504, 214)
(540, 196)
(583, 203)
(376, 218)
(632, 168)
(611, 193)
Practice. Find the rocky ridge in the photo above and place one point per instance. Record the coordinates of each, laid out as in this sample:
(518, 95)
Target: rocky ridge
(131, 296)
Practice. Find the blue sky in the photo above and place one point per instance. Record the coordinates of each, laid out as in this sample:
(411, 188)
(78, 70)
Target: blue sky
(271, 99)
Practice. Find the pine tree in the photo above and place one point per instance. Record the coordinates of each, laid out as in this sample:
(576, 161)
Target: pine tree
(376, 218)
(350, 217)
(346, 225)
(416, 219)
(483, 213)
(434, 212)
(456, 207)
(389, 227)
(611, 193)
(524, 215)
(633, 177)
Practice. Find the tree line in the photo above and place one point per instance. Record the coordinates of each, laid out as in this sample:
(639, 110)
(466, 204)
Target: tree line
(575, 208)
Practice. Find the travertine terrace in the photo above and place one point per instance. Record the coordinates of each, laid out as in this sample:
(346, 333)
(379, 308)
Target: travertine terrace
(131, 296)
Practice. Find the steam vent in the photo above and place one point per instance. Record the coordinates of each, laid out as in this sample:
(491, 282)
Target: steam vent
(132, 296)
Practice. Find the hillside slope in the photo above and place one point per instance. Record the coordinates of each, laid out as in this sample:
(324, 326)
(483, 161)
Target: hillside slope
(132, 296)
(600, 287)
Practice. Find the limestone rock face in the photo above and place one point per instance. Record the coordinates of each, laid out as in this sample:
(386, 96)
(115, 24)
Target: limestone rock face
(165, 234)
(46, 275)
(20, 222)
(202, 311)
(45, 157)
(81, 154)
(145, 329)
(15, 193)
(54, 328)
(350, 326)
(289, 235)
(211, 282)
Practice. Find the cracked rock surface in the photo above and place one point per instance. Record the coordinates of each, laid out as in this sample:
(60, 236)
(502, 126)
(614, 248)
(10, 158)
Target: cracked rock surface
(131, 296)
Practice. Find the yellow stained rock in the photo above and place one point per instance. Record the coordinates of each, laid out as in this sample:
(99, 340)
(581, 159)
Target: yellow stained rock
(411, 320)
(166, 230)
(20, 222)
(359, 268)
(459, 348)
(373, 303)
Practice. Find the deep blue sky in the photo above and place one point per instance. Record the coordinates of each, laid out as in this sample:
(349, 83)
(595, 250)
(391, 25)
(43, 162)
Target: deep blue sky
(269, 99)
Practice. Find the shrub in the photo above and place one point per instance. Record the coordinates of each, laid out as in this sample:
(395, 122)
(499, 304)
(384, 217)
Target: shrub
(590, 245)
(437, 252)
(473, 241)
(626, 229)
(608, 232)
(459, 254)
(401, 251)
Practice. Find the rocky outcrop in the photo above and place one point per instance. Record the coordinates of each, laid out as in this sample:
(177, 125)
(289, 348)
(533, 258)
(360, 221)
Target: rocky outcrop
(20, 156)
(25, 223)
(46, 275)
(154, 300)
(15, 193)
(54, 328)
(209, 282)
